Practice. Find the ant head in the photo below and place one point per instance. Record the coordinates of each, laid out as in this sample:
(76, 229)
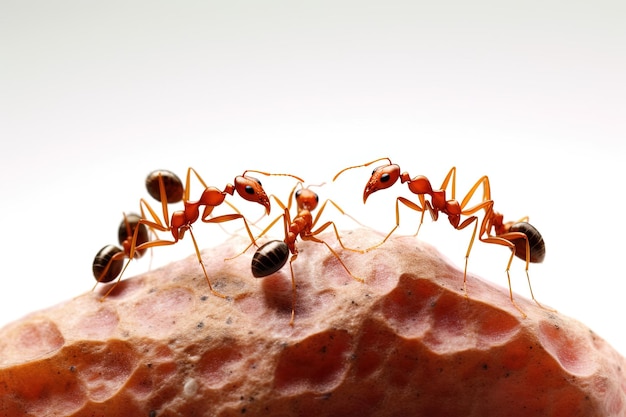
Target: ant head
(250, 188)
(382, 177)
(306, 199)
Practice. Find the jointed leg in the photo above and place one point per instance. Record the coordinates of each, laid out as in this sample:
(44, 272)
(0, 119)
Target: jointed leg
(407, 203)
(506, 239)
(294, 295)
(450, 176)
(335, 254)
(134, 248)
(206, 275)
(229, 217)
(317, 217)
(484, 181)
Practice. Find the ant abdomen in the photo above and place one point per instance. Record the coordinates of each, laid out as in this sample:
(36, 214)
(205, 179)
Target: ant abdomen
(269, 258)
(109, 261)
(174, 189)
(535, 242)
(127, 229)
(103, 258)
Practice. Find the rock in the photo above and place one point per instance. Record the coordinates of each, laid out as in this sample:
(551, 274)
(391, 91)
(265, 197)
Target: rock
(407, 342)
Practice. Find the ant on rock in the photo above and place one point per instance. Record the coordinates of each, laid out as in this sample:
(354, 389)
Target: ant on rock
(108, 262)
(166, 187)
(273, 255)
(521, 237)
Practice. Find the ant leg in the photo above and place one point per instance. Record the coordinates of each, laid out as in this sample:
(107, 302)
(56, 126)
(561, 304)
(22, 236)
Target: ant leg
(285, 216)
(195, 245)
(407, 203)
(142, 246)
(108, 262)
(319, 213)
(117, 257)
(286, 221)
(508, 277)
(260, 235)
(484, 181)
(312, 237)
(143, 203)
(156, 222)
(229, 217)
(208, 210)
(232, 206)
(509, 237)
(155, 243)
(119, 278)
(324, 226)
(500, 240)
(434, 214)
(463, 225)
(188, 182)
(294, 294)
(419, 227)
(134, 248)
(450, 176)
(280, 204)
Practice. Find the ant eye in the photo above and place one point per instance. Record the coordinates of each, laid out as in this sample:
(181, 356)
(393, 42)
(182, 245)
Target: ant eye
(317, 198)
(384, 178)
(298, 193)
(249, 189)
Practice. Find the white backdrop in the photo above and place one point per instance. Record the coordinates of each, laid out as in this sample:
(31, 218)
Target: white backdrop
(94, 96)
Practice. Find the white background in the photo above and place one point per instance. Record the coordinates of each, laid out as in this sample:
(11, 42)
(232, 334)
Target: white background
(94, 95)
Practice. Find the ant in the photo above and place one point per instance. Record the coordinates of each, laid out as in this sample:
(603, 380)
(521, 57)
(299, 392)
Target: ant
(271, 256)
(521, 237)
(181, 221)
(108, 262)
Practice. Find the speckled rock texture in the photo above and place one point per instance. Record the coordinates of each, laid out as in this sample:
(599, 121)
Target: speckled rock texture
(407, 342)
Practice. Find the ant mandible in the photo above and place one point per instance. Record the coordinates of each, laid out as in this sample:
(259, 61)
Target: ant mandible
(271, 256)
(108, 262)
(181, 221)
(522, 238)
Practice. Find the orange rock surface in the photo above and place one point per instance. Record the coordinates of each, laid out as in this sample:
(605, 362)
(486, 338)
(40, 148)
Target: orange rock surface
(407, 342)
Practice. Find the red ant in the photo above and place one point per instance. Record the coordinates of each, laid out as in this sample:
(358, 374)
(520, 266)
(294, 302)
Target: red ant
(108, 262)
(181, 221)
(271, 257)
(522, 238)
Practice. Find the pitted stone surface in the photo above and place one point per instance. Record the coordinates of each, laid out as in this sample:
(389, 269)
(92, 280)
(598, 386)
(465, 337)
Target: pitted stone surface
(407, 342)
